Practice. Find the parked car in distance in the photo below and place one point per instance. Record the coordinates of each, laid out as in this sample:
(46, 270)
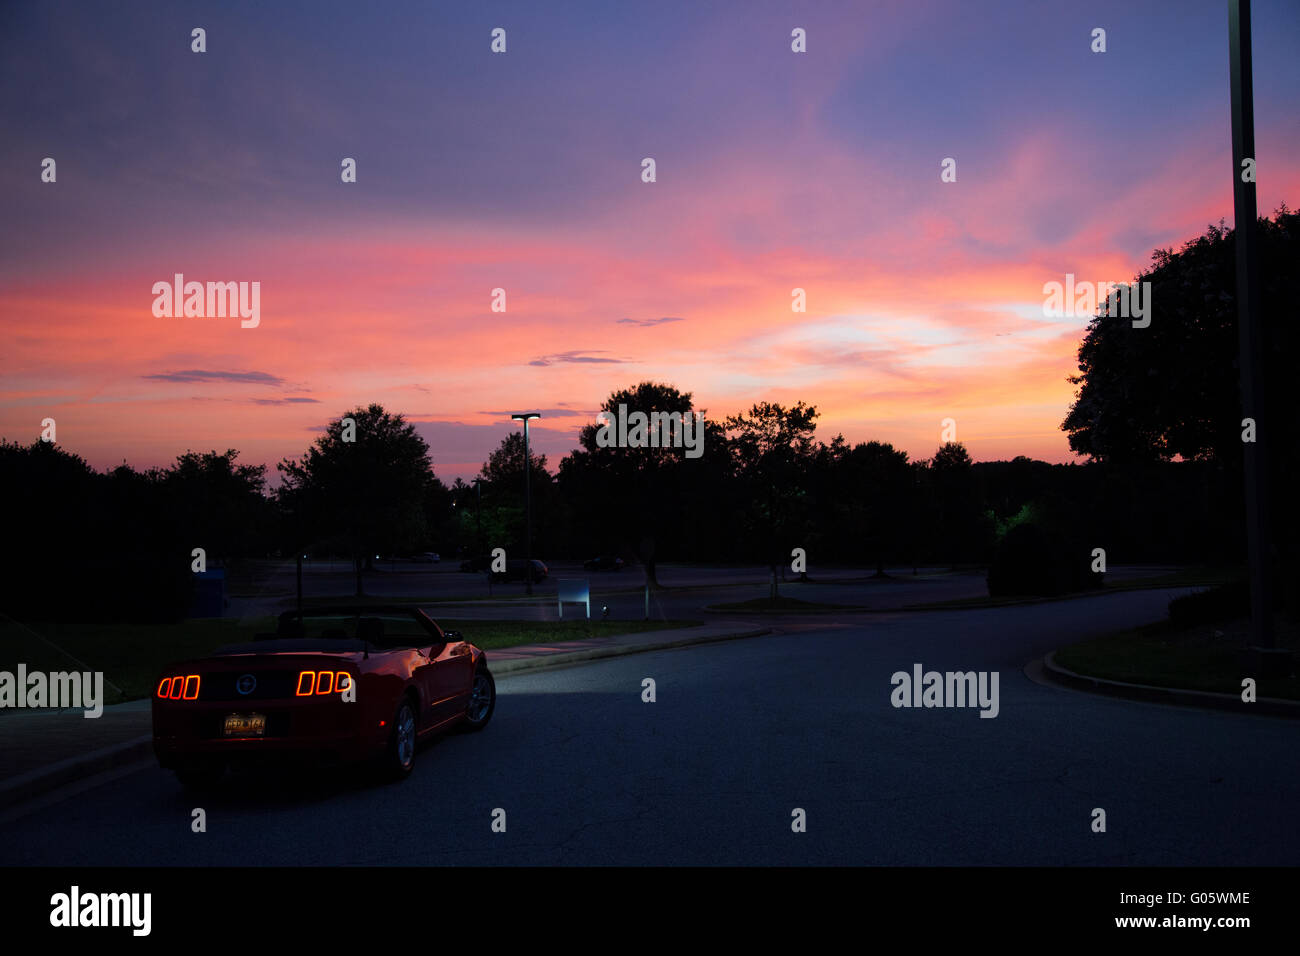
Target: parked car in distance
(338, 685)
(516, 568)
(427, 557)
(604, 563)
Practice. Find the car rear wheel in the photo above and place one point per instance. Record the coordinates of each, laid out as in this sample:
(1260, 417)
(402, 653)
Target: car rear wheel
(400, 758)
(482, 701)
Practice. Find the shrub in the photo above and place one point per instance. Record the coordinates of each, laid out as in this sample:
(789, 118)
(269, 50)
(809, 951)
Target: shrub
(1222, 603)
(1034, 560)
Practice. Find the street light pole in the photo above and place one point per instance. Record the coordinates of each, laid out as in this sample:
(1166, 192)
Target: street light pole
(1250, 338)
(525, 417)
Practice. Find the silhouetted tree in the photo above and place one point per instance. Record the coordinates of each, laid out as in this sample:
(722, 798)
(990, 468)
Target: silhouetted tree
(363, 495)
(773, 449)
(1172, 389)
(884, 485)
(220, 504)
(111, 544)
(964, 530)
(634, 494)
(503, 496)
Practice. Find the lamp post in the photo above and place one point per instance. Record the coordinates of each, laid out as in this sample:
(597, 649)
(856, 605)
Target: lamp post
(525, 417)
(1250, 335)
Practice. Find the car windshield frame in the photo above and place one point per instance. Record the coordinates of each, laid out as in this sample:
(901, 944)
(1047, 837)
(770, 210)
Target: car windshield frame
(291, 625)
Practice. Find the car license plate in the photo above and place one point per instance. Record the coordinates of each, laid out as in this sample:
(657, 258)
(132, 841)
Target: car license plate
(246, 725)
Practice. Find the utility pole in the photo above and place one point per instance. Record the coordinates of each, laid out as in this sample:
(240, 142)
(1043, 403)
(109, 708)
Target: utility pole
(1250, 337)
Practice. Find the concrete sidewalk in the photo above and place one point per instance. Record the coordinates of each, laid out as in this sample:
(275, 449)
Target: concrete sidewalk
(528, 657)
(41, 750)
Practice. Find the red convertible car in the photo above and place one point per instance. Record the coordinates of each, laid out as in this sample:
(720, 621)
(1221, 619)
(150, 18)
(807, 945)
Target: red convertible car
(332, 684)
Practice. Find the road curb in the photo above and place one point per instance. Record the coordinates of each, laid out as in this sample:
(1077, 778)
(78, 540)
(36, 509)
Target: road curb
(35, 783)
(975, 605)
(1271, 706)
(520, 665)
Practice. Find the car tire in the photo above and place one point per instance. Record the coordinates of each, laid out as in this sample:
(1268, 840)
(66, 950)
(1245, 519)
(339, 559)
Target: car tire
(482, 701)
(399, 758)
(199, 777)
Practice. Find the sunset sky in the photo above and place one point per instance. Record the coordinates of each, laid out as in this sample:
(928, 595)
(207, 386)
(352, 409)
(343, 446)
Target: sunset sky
(522, 171)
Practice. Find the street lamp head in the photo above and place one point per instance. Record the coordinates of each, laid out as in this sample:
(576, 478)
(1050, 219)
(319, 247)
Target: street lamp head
(524, 416)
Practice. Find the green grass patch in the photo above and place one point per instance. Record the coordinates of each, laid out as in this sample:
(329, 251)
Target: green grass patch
(1206, 657)
(494, 635)
(401, 600)
(133, 655)
(511, 593)
(1184, 578)
(780, 604)
(130, 655)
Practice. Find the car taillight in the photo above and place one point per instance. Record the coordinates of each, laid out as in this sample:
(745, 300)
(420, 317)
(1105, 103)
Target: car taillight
(322, 682)
(185, 687)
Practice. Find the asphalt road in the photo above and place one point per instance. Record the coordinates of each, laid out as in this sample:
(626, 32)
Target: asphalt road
(740, 735)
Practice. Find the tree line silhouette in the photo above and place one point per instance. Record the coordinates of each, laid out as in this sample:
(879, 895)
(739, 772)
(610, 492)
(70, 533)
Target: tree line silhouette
(1157, 416)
